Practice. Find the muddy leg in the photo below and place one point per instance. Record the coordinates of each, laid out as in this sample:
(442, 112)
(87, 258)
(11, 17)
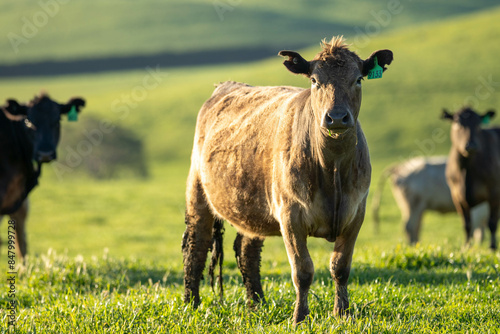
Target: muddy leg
(196, 241)
(247, 252)
(20, 218)
(295, 238)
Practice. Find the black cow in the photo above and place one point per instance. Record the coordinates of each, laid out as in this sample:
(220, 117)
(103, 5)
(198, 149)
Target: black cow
(29, 135)
(473, 166)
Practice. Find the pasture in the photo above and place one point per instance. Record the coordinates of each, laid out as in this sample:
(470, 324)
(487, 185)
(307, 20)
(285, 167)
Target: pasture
(105, 255)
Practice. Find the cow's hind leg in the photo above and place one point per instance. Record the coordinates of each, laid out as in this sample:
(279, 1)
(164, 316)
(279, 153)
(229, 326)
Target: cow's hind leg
(196, 240)
(247, 251)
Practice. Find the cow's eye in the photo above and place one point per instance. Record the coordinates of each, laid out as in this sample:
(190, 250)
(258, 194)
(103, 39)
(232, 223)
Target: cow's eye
(314, 82)
(358, 82)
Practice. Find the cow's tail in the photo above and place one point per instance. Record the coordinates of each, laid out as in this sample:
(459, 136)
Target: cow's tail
(377, 196)
(217, 250)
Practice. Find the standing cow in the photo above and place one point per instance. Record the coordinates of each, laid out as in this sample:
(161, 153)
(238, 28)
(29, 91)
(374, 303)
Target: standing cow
(27, 133)
(419, 185)
(472, 171)
(283, 161)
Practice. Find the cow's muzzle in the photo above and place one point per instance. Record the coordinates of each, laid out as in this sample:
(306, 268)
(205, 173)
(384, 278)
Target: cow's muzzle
(338, 121)
(46, 156)
(471, 147)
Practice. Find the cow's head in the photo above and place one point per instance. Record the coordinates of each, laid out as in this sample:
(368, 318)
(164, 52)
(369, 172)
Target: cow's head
(466, 124)
(44, 115)
(336, 74)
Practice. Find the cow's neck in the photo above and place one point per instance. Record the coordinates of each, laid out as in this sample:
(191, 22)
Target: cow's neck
(339, 158)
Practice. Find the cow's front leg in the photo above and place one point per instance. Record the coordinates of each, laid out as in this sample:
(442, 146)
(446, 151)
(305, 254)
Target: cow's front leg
(340, 264)
(295, 239)
(493, 223)
(20, 218)
(464, 210)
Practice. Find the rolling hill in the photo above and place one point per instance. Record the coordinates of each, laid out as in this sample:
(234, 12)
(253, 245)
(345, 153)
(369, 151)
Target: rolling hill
(71, 30)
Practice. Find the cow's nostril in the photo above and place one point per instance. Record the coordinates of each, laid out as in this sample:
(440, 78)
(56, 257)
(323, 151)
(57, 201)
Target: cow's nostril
(345, 119)
(329, 119)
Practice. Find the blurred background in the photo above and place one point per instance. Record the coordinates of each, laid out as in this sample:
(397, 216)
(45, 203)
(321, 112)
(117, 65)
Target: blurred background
(146, 67)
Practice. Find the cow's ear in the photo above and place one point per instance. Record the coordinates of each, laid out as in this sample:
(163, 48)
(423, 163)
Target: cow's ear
(295, 63)
(380, 58)
(446, 114)
(76, 102)
(14, 108)
(485, 119)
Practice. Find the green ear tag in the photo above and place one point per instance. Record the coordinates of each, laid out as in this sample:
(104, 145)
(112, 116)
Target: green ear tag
(73, 115)
(485, 119)
(376, 71)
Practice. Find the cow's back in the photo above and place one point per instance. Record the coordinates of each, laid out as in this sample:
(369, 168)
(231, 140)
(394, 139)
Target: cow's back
(243, 109)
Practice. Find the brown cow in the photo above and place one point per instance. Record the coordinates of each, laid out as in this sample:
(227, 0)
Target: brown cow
(283, 161)
(473, 165)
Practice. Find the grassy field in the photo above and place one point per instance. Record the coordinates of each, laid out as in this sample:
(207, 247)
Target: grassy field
(105, 255)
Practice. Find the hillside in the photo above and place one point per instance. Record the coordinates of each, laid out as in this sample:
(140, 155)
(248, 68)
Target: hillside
(53, 30)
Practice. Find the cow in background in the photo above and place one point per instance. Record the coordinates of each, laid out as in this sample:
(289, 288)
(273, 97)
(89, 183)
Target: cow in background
(419, 185)
(473, 168)
(29, 135)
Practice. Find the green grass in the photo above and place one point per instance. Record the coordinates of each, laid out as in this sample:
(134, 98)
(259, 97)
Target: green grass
(105, 255)
(396, 290)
